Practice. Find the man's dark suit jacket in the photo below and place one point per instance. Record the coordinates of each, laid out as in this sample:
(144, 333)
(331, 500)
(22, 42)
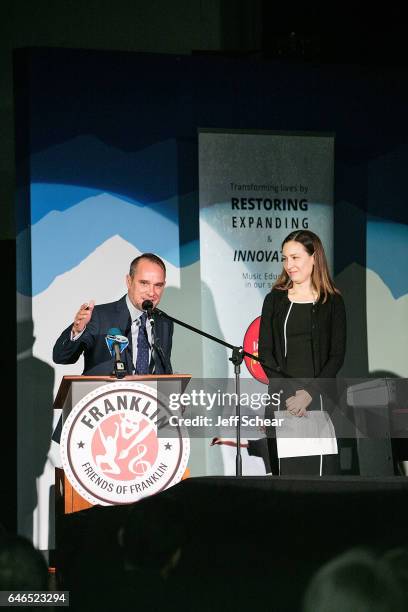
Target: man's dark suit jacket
(92, 343)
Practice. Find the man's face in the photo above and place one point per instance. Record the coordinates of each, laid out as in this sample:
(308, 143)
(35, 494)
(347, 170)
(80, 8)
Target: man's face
(147, 283)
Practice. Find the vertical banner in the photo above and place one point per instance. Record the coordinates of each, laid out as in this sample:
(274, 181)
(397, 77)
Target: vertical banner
(255, 188)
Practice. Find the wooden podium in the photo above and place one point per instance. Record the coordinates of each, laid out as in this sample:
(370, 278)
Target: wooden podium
(72, 389)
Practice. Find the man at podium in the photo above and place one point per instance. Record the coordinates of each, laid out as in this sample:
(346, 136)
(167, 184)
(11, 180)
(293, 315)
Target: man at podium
(92, 325)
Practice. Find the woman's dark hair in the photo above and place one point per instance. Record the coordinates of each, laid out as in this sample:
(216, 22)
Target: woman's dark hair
(321, 279)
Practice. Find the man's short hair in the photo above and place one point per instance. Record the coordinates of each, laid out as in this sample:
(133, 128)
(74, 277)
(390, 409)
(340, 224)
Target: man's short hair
(150, 257)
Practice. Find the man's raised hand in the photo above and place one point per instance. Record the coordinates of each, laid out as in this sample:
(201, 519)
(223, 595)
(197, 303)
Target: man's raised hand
(82, 317)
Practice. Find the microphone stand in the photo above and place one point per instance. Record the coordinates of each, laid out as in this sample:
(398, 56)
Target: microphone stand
(157, 350)
(237, 357)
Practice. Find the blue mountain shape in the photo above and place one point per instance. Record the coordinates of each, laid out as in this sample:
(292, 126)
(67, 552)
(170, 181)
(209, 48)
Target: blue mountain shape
(387, 253)
(61, 240)
(89, 166)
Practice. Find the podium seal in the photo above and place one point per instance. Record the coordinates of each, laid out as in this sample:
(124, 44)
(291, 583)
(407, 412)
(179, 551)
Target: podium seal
(110, 448)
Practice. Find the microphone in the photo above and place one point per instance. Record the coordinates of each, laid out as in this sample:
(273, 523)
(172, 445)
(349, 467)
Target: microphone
(117, 343)
(147, 305)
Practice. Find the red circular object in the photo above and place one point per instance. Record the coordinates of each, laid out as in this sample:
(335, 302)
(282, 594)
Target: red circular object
(251, 346)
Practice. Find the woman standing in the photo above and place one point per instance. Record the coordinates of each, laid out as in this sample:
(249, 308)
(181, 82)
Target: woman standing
(302, 335)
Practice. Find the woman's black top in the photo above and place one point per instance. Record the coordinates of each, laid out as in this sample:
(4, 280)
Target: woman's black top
(328, 335)
(298, 338)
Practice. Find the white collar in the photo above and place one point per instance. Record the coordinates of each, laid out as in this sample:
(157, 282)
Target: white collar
(135, 313)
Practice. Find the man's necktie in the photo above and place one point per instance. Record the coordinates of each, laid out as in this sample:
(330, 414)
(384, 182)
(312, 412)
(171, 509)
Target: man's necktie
(142, 359)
